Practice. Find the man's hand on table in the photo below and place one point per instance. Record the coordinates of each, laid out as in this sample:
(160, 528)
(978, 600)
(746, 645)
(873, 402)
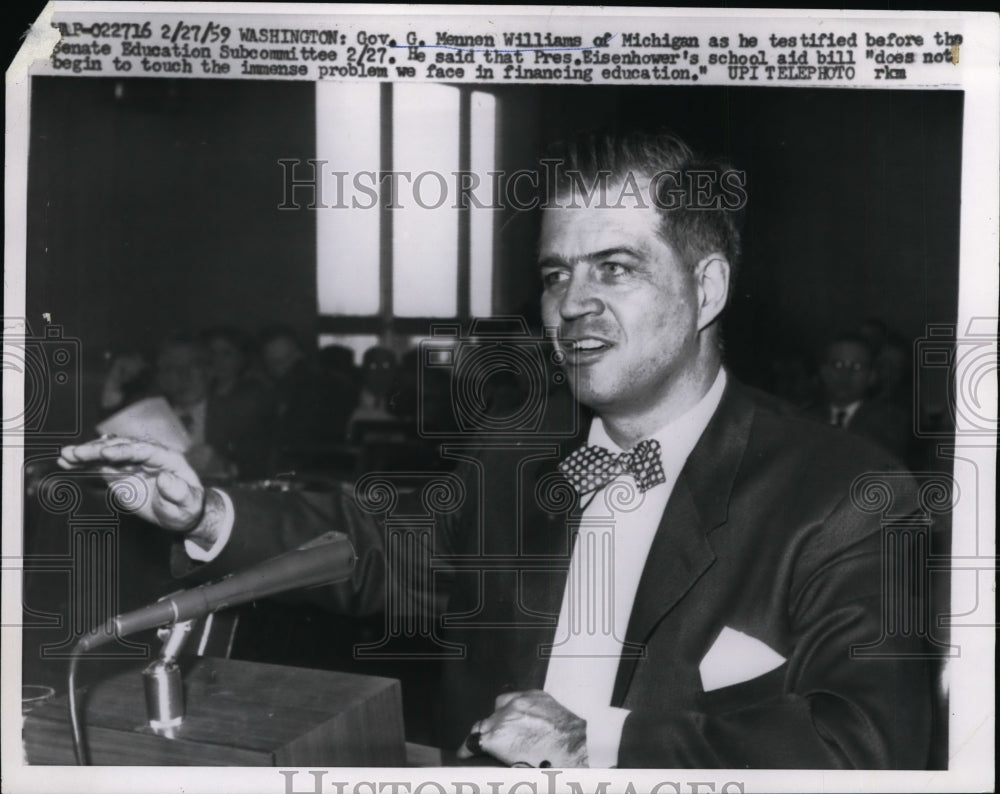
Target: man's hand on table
(530, 728)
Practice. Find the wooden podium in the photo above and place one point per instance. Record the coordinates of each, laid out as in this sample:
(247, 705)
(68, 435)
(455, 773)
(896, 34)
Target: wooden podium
(237, 714)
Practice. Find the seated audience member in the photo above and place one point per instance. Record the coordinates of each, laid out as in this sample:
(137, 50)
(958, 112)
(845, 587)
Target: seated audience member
(241, 404)
(376, 401)
(226, 414)
(339, 359)
(231, 353)
(183, 377)
(848, 400)
(423, 397)
(312, 406)
(129, 379)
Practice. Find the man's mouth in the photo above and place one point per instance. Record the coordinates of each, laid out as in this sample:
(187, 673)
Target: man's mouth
(588, 348)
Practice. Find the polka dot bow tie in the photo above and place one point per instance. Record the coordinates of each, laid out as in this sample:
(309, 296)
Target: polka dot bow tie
(592, 467)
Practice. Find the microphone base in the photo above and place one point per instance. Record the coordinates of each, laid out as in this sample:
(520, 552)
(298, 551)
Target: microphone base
(164, 697)
(238, 713)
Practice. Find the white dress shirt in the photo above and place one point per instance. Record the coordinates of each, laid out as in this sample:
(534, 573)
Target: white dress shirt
(848, 412)
(616, 531)
(194, 418)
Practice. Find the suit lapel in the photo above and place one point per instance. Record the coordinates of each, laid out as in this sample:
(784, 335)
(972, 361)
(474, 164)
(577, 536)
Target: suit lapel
(681, 552)
(551, 520)
(542, 592)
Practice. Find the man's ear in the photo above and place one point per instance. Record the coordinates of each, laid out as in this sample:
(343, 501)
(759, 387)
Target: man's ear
(712, 275)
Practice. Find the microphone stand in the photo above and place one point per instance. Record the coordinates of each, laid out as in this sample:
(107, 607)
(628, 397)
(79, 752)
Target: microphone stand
(163, 684)
(325, 559)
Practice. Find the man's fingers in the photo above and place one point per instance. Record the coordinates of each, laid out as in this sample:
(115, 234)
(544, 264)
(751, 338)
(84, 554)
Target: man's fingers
(88, 451)
(504, 698)
(141, 452)
(513, 741)
(174, 489)
(471, 746)
(100, 450)
(530, 729)
(464, 752)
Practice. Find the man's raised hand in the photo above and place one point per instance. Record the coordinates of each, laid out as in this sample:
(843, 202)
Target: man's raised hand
(169, 493)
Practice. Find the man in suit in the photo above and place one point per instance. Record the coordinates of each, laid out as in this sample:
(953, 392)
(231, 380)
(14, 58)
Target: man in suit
(852, 400)
(312, 404)
(229, 429)
(707, 593)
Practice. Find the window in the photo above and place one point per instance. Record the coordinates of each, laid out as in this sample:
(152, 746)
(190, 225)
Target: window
(396, 253)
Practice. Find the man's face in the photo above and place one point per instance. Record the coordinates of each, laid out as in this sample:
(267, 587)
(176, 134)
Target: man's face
(621, 293)
(227, 359)
(847, 372)
(379, 367)
(279, 356)
(182, 374)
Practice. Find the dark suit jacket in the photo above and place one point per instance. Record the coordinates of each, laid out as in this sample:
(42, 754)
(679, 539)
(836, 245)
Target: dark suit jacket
(240, 427)
(882, 421)
(760, 535)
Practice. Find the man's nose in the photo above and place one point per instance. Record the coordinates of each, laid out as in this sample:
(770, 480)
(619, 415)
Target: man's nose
(580, 298)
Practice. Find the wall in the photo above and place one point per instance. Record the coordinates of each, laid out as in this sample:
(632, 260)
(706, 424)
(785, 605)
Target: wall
(152, 207)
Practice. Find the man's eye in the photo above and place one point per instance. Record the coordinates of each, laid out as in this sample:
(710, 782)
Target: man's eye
(615, 269)
(553, 277)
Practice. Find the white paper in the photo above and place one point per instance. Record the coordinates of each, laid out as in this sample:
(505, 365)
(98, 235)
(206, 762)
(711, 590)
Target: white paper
(151, 419)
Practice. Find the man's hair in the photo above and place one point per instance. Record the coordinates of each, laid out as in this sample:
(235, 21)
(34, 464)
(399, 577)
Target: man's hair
(694, 223)
(852, 338)
(231, 335)
(281, 331)
(376, 352)
(183, 339)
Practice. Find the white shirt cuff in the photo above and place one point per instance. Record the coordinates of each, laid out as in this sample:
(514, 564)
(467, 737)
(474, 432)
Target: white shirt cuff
(604, 735)
(196, 552)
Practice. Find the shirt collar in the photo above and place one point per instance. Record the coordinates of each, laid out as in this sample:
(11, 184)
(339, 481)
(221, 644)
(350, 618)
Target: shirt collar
(678, 437)
(849, 410)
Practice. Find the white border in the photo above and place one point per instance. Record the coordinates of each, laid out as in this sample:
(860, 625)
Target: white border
(972, 680)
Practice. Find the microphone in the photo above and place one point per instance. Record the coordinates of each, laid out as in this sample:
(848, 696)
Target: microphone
(326, 559)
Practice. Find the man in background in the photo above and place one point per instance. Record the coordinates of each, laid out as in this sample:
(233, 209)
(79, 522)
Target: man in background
(852, 401)
(312, 405)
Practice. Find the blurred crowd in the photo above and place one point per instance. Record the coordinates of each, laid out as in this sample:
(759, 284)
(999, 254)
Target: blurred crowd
(273, 406)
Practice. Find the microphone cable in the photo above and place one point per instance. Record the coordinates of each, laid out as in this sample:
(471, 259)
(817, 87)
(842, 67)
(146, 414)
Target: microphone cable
(79, 744)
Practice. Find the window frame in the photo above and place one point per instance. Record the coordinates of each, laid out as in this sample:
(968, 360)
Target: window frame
(385, 324)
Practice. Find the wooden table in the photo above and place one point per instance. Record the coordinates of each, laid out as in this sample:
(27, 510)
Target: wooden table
(237, 713)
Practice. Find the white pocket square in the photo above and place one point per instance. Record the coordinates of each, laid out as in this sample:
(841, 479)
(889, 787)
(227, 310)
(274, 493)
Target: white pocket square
(736, 657)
